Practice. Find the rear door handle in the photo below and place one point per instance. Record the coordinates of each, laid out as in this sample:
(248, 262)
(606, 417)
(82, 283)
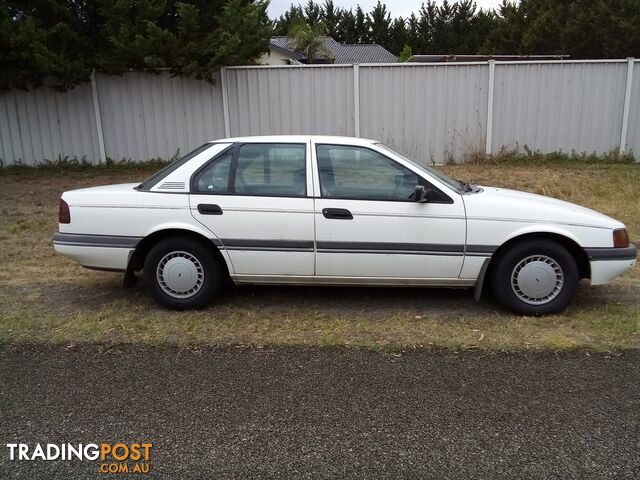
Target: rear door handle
(209, 209)
(337, 213)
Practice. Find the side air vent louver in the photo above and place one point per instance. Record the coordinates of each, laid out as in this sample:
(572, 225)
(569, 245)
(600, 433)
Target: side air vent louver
(172, 186)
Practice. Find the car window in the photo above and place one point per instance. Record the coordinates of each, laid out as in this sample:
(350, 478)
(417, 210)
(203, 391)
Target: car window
(215, 177)
(277, 169)
(363, 174)
(156, 177)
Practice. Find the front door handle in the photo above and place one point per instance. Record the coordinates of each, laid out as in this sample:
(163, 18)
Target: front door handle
(209, 209)
(337, 213)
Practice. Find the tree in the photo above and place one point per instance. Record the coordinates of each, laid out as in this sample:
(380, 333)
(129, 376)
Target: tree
(348, 28)
(379, 21)
(331, 17)
(405, 54)
(414, 37)
(398, 36)
(312, 13)
(607, 29)
(62, 41)
(579, 28)
(362, 26)
(194, 40)
(288, 19)
(310, 41)
(506, 35)
(45, 40)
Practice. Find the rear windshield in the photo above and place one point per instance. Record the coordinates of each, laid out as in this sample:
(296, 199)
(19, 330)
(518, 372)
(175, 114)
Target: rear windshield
(156, 177)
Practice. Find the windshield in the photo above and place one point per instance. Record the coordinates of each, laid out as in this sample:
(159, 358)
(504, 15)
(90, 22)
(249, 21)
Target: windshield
(457, 185)
(156, 177)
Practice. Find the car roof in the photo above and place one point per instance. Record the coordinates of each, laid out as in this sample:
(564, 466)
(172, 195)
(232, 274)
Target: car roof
(297, 138)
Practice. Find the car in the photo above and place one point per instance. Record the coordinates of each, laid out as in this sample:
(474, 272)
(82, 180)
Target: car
(322, 210)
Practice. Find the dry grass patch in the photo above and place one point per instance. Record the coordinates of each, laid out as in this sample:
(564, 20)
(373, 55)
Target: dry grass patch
(47, 298)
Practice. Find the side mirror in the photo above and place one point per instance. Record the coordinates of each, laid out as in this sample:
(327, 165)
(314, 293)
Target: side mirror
(420, 194)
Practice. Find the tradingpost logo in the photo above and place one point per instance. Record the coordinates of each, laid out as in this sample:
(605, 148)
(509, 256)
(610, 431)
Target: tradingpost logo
(117, 458)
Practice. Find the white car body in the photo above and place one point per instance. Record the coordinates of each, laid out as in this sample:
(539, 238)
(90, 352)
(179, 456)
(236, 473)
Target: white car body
(281, 239)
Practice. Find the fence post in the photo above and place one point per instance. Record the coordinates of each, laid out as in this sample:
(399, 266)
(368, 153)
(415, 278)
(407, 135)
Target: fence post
(96, 112)
(492, 78)
(225, 102)
(627, 102)
(356, 99)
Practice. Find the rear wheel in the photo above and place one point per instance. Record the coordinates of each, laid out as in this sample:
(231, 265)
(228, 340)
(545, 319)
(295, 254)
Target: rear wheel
(182, 274)
(535, 277)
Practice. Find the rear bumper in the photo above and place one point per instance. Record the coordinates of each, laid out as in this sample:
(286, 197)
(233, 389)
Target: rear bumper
(609, 263)
(102, 252)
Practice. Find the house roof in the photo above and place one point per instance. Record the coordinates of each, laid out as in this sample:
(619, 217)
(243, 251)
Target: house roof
(342, 52)
(482, 58)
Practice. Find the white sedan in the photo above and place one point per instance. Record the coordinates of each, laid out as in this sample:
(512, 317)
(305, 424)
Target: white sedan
(313, 210)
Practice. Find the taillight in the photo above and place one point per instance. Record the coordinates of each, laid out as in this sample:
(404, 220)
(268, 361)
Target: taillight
(620, 238)
(64, 215)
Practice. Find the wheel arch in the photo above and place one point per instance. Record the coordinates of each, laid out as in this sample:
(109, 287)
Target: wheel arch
(139, 254)
(572, 246)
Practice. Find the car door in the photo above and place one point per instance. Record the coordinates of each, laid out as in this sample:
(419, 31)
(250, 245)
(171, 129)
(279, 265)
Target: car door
(254, 198)
(368, 226)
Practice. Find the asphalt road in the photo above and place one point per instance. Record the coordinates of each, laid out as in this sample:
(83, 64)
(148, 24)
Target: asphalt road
(325, 413)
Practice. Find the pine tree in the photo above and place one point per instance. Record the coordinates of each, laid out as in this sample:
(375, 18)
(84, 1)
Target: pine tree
(348, 27)
(288, 19)
(331, 17)
(61, 42)
(379, 21)
(45, 40)
(362, 26)
(398, 36)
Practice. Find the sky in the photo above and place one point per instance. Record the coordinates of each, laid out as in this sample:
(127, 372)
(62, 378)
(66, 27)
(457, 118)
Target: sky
(398, 8)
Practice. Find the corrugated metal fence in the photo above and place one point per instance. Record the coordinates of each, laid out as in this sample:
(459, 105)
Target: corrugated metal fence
(433, 112)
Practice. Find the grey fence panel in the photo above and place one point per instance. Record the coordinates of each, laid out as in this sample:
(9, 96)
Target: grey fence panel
(39, 125)
(633, 129)
(559, 106)
(148, 116)
(432, 113)
(292, 100)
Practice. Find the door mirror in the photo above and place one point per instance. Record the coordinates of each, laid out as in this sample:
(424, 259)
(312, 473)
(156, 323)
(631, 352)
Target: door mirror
(420, 194)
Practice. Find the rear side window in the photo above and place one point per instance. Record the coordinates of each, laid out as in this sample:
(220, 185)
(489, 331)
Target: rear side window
(156, 177)
(215, 177)
(272, 169)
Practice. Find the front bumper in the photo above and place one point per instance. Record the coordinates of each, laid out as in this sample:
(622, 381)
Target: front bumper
(609, 263)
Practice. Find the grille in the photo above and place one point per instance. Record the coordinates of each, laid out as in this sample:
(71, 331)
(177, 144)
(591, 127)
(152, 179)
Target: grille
(172, 186)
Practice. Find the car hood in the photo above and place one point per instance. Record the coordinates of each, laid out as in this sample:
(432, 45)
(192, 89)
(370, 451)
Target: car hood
(500, 203)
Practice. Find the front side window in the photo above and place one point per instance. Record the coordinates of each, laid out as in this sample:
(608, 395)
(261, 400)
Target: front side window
(363, 174)
(276, 169)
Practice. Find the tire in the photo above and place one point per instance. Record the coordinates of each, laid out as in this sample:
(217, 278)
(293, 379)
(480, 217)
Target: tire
(535, 277)
(182, 274)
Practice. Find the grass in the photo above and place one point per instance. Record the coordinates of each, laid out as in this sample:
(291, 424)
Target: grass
(46, 298)
(64, 166)
(598, 329)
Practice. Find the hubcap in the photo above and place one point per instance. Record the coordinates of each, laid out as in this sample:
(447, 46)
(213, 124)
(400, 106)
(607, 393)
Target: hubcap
(180, 274)
(537, 279)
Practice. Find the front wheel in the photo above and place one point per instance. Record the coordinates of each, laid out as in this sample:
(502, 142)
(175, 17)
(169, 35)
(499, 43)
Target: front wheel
(535, 277)
(182, 274)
